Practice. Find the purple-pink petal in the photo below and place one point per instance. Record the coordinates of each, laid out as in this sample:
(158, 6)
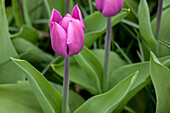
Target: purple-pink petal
(112, 7)
(99, 4)
(59, 40)
(65, 21)
(75, 37)
(109, 7)
(55, 17)
(76, 13)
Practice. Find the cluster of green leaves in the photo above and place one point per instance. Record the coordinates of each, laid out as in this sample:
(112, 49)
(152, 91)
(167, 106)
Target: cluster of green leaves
(133, 86)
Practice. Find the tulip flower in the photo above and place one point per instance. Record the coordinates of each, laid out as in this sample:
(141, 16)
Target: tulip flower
(67, 34)
(109, 7)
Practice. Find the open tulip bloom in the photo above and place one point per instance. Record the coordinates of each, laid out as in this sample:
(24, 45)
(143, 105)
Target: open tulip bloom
(109, 7)
(67, 34)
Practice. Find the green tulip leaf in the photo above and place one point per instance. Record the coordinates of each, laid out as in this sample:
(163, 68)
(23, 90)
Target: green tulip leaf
(9, 73)
(142, 80)
(18, 98)
(160, 76)
(96, 25)
(133, 5)
(105, 103)
(49, 99)
(145, 25)
(75, 100)
(115, 60)
(91, 66)
(9, 14)
(31, 53)
(19, 17)
(27, 32)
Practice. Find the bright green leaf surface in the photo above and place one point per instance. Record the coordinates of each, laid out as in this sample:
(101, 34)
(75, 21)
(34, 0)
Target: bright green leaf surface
(96, 25)
(166, 3)
(18, 98)
(115, 60)
(106, 102)
(160, 76)
(9, 14)
(9, 73)
(91, 66)
(31, 53)
(28, 33)
(49, 99)
(142, 79)
(145, 25)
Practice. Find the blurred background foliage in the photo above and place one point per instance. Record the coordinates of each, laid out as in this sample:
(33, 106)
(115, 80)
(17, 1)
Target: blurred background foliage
(28, 24)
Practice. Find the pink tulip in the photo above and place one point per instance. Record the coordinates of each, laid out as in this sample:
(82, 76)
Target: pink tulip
(109, 7)
(67, 34)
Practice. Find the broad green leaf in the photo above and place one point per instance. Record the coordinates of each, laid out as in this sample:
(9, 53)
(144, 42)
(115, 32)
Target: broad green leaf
(9, 73)
(18, 98)
(49, 99)
(164, 31)
(141, 81)
(105, 103)
(115, 60)
(160, 76)
(96, 25)
(31, 53)
(91, 66)
(27, 32)
(77, 75)
(17, 11)
(145, 25)
(75, 100)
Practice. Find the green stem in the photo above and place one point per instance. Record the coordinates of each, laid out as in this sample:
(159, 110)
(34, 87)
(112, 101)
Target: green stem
(159, 17)
(67, 6)
(90, 5)
(65, 93)
(107, 55)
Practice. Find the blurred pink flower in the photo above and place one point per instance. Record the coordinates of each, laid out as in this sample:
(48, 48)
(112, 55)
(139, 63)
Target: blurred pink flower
(67, 34)
(109, 7)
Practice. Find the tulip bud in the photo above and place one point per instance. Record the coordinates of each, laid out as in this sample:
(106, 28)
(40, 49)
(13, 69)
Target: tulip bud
(67, 34)
(109, 7)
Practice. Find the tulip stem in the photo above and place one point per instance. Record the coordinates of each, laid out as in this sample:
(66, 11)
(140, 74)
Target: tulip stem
(65, 97)
(67, 6)
(107, 55)
(159, 17)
